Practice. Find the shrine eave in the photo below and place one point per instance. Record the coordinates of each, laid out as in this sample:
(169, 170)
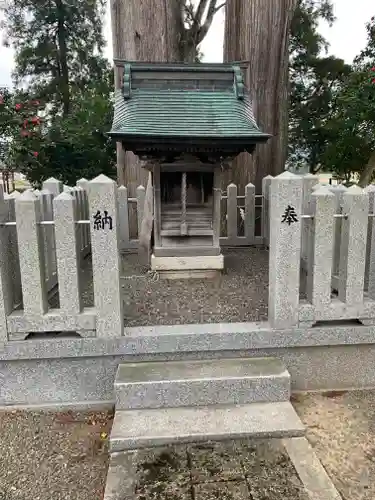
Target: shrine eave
(220, 146)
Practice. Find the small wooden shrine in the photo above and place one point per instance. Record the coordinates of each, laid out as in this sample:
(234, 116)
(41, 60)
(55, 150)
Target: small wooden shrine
(187, 122)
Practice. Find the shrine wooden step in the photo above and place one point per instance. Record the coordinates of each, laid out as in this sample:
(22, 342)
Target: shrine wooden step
(147, 428)
(202, 382)
(198, 224)
(190, 231)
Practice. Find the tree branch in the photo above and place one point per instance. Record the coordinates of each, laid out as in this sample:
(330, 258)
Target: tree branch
(199, 14)
(220, 7)
(203, 29)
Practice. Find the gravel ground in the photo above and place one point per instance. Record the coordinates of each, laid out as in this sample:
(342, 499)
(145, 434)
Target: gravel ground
(240, 294)
(341, 428)
(53, 456)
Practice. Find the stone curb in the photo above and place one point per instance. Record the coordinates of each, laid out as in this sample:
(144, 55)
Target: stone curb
(62, 406)
(187, 339)
(315, 479)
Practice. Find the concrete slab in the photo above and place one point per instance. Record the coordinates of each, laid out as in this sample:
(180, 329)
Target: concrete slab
(135, 429)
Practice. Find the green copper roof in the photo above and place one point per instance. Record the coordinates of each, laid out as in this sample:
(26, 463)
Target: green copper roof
(184, 113)
(184, 101)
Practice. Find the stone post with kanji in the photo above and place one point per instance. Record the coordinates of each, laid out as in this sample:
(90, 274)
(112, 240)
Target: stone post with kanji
(286, 195)
(106, 263)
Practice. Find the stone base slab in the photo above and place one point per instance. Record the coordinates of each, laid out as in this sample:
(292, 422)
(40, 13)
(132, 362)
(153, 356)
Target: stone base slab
(205, 266)
(207, 274)
(146, 428)
(66, 371)
(53, 321)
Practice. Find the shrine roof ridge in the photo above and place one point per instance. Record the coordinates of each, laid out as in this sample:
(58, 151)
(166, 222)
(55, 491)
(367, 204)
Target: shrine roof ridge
(180, 66)
(225, 75)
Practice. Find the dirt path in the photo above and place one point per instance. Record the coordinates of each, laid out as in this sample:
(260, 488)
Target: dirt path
(341, 428)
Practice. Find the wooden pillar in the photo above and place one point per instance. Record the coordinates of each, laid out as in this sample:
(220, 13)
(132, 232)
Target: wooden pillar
(216, 209)
(157, 206)
(183, 205)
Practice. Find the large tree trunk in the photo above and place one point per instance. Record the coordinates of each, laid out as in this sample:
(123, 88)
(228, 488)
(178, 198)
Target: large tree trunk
(143, 30)
(367, 174)
(63, 58)
(154, 30)
(257, 32)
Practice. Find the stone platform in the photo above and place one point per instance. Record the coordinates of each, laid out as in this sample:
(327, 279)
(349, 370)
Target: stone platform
(204, 266)
(58, 370)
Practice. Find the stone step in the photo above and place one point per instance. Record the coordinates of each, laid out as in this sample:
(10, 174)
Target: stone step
(194, 383)
(147, 428)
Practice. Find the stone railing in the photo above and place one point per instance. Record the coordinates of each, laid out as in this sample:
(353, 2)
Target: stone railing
(322, 257)
(321, 243)
(44, 237)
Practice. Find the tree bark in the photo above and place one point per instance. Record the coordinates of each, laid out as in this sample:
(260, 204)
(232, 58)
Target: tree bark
(63, 58)
(368, 172)
(154, 31)
(257, 32)
(143, 30)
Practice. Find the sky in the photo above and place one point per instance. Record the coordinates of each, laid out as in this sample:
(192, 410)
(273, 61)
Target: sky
(346, 37)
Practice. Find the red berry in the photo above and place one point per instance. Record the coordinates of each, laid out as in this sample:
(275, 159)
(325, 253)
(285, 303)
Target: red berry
(35, 153)
(18, 107)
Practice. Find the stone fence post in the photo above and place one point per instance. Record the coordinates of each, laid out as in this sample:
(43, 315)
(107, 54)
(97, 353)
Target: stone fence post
(6, 294)
(249, 222)
(122, 198)
(53, 185)
(14, 263)
(319, 276)
(67, 254)
(309, 181)
(286, 194)
(31, 254)
(353, 246)
(266, 182)
(83, 184)
(370, 248)
(338, 191)
(106, 263)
